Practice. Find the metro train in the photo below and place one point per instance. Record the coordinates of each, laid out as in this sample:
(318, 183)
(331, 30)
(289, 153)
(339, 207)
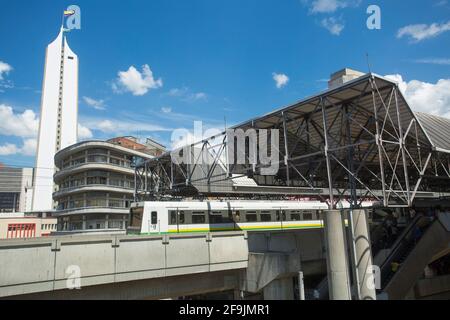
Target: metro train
(163, 217)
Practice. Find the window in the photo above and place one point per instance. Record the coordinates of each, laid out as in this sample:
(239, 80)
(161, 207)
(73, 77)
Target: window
(215, 218)
(198, 217)
(173, 217)
(96, 158)
(295, 216)
(136, 217)
(116, 203)
(154, 217)
(266, 217)
(281, 215)
(307, 215)
(251, 217)
(181, 218)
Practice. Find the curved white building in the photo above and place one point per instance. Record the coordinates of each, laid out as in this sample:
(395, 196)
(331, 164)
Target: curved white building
(58, 118)
(95, 182)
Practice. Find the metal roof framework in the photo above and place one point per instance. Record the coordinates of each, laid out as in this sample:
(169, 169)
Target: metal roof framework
(355, 142)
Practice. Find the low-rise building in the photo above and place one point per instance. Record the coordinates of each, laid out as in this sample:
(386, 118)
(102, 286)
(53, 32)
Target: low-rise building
(19, 225)
(95, 183)
(16, 189)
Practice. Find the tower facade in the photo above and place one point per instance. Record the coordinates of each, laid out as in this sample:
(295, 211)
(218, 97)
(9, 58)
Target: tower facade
(58, 123)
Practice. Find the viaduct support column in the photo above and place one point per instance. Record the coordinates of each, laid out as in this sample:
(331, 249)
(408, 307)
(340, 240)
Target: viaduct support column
(336, 251)
(279, 289)
(363, 255)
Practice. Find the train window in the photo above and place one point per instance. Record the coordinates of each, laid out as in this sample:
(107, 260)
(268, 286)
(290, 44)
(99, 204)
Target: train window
(307, 215)
(198, 218)
(281, 215)
(251, 217)
(173, 217)
(181, 217)
(266, 217)
(215, 218)
(136, 217)
(154, 217)
(295, 217)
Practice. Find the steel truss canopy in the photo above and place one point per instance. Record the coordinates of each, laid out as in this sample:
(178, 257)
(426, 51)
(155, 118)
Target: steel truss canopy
(355, 142)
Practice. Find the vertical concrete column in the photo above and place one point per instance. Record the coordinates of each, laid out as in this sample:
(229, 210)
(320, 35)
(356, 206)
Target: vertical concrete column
(336, 252)
(279, 289)
(84, 222)
(363, 255)
(301, 286)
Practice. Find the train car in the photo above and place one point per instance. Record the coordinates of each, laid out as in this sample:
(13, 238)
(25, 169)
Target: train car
(162, 217)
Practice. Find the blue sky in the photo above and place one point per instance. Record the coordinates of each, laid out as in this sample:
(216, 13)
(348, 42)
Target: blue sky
(148, 67)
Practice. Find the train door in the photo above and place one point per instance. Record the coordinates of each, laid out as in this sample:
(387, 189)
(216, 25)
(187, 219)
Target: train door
(176, 219)
(281, 216)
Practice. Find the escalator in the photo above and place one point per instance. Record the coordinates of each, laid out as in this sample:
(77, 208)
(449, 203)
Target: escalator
(410, 254)
(411, 251)
(320, 292)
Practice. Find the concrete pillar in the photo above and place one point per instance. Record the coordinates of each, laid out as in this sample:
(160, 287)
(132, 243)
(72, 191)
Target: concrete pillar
(84, 222)
(336, 252)
(301, 286)
(363, 255)
(279, 289)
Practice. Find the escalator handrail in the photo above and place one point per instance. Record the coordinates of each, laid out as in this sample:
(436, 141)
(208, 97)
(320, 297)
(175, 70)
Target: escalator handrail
(401, 240)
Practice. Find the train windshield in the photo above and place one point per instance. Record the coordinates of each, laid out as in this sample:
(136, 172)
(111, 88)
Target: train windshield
(136, 218)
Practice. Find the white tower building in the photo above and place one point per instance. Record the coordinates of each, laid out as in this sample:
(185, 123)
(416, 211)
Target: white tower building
(59, 116)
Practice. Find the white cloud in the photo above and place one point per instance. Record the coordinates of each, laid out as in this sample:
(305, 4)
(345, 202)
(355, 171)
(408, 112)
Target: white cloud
(438, 61)
(419, 32)
(178, 92)
(441, 3)
(426, 97)
(280, 79)
(185, 94)
(138, 83)
(84, 132)
(334, 25)
(4, 69)
(96, 104)
(27, 149)
(120, 127)
(8, 149)
(166, 109)
(23, 125)
(330, 6)
(198, 96)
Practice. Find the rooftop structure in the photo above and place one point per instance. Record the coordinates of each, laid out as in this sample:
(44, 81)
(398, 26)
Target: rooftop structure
(355, 141)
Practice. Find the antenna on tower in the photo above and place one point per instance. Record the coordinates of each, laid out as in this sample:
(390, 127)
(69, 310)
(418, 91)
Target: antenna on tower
(368, 62)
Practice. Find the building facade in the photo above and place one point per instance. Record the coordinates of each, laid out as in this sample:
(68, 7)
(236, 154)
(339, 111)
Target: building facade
(95, 183)
(58, 117)
(20, 225)
(16, 189)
